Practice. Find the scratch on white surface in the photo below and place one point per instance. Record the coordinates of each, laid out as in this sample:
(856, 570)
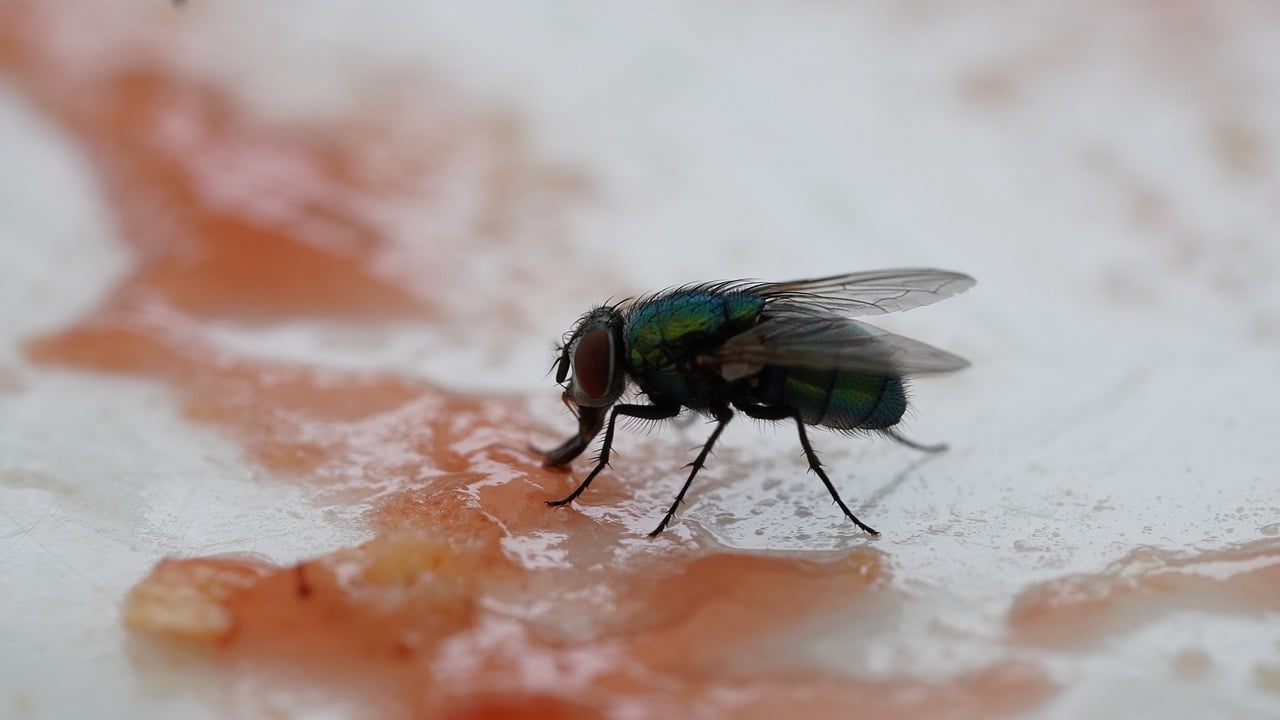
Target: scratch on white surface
(19, 530)
(29, 535)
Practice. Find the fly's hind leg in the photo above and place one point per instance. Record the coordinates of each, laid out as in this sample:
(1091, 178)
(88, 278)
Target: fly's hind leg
(896, 437)
(782, 412)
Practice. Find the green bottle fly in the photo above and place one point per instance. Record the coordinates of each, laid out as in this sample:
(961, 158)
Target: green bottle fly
(772, 351)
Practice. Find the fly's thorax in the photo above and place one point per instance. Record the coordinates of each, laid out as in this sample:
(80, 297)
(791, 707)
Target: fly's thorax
(665, 334)
(592, 360)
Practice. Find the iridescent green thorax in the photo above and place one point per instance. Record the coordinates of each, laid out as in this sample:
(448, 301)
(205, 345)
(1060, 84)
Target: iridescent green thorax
(665, 334)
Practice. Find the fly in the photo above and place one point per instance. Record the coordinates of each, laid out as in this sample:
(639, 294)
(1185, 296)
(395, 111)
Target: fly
(772, 351)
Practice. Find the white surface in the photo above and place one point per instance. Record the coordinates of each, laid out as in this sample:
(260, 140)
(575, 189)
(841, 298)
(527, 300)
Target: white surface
(1125, 331)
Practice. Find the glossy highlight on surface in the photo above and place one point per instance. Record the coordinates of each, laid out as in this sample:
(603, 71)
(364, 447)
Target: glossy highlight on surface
(472, 599)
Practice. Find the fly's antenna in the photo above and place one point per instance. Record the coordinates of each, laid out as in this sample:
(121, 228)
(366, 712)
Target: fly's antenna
(893, 435)
(560, 366)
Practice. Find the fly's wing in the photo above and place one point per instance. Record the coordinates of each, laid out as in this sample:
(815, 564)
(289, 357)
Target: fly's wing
(798, 336)
(867, 293)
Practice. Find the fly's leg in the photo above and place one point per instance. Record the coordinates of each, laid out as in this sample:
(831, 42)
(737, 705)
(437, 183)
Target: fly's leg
(816, 466)
(723, 416)
(781, 412)
(893, 435)
(645, 412)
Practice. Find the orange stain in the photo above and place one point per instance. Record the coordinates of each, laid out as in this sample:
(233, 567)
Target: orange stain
(473, 599)
(288, 245)
(1144, 585)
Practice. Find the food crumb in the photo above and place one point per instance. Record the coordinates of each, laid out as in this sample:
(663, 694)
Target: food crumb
(1191, 664)
(187, 600)
(1267, 676)
(11, 381)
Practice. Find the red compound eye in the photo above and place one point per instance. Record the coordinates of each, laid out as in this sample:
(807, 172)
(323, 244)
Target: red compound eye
(593, 362)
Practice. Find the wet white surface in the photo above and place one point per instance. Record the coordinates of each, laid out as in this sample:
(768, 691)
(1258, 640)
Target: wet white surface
(1109, 173)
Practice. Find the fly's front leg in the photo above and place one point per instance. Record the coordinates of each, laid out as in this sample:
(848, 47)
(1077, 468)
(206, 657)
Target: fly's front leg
(782, 412)
(645, 412)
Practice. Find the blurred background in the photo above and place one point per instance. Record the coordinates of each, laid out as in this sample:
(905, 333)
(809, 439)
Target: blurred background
(1109, 172)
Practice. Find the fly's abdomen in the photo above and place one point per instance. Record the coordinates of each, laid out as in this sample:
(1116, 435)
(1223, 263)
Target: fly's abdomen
(837, 399)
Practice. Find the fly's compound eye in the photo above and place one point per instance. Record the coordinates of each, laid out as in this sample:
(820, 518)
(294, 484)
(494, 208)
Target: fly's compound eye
(596, 380)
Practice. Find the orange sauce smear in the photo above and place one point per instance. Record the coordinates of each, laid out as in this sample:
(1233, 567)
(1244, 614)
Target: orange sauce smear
(1147, 583)
(473, 599)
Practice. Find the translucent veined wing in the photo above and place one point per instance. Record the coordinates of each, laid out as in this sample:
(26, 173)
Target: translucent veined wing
(867, 293)
(794, 335)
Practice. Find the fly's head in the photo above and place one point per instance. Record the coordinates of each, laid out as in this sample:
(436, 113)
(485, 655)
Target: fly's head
(590, 366)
